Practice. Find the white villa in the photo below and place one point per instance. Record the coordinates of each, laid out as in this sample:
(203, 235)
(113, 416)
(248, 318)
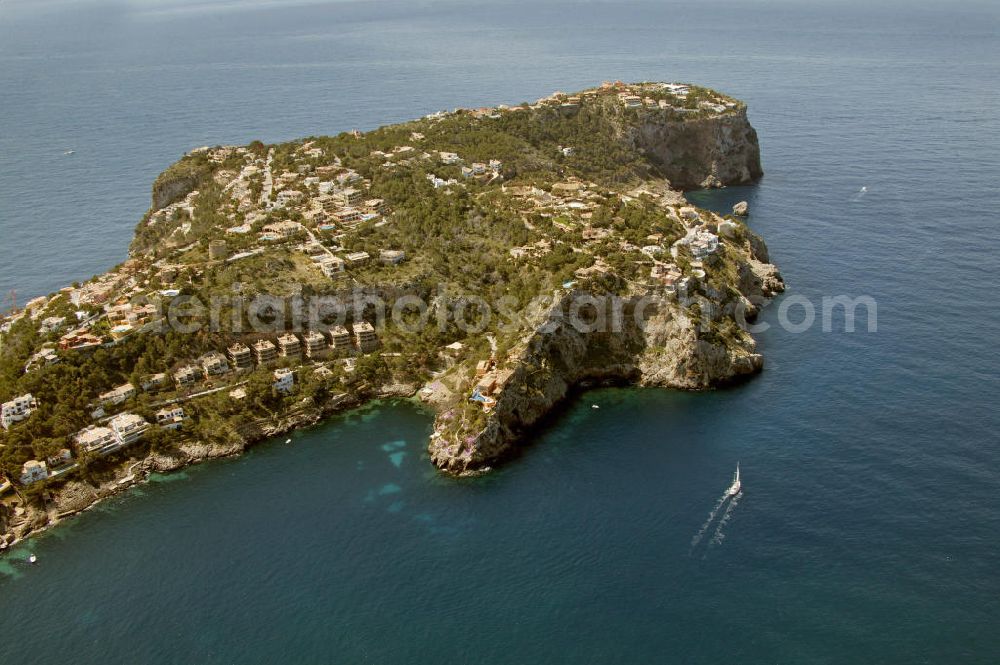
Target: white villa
(187, 374)
(119, 395)
(17, 409)
(332, 266)
(125, 429)
(33, 471)
(284, 380)
(128, 428)
(96, 439)
(153, 382)
(170, 417)
(699, 243)
(357, 258)
(214, 363)
(392, 257)
(280, 230)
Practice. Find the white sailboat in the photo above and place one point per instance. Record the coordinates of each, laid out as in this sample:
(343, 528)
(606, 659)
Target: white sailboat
(735, 488)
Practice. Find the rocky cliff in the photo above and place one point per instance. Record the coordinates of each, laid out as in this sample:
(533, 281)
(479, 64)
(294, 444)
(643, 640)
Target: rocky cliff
(686, 339)
(714, 151)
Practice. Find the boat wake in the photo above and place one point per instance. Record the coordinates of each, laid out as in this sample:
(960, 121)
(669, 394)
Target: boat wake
(726, 504)
(708, 522)
(719, 536)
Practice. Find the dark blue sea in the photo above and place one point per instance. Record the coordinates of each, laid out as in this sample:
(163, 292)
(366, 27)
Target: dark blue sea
(869, 524)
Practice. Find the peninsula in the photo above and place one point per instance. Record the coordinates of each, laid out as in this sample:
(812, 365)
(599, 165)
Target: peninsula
(487, 261)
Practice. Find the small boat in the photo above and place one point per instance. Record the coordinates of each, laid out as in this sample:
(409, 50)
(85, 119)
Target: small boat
(32, 558)
(735, 488)
(288, 440)
(69, 152)
(594, 406)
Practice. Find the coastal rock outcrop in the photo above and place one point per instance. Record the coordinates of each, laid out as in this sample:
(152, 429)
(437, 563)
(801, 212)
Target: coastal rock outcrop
(674, 339)
(708, 152)
(174, 184)
(741, 209)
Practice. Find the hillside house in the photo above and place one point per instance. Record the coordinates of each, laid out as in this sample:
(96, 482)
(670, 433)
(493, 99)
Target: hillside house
(171, 417)
(340, 340)
(265, 351)
(17, 409)
(119, 395)
(128, 428)
(33, 471)
(96, 439)
(391, 257)
(365, 337)
(241, 356)
(289, 346)
(284, 380)
(314, 344)
(187, 375)
(355, 259)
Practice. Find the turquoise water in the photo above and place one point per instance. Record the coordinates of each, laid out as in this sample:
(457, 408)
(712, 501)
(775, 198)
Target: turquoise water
(870, 520)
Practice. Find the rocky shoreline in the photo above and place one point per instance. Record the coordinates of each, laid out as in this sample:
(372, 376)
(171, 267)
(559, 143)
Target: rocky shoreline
(573, 199)
(77, 496)
(671, 349)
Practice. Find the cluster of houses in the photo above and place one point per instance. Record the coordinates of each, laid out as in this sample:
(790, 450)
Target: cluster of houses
(635, 95)
(651, 95)
(620, 88)
(570, 206)
(490, 380)
(123, 317)
(700, 239)
(121, 431)
(313, 345)
(335, 267)
(346, 207)
(328, 197)
(488, 171)
(569, 200)
(701, 243)
(98, 290)
(666, 274)
(35, 470)
(438, 183)
(124, 429)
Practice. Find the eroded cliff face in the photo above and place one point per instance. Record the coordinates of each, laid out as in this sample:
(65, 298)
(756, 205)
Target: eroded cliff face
(172, 186)
(685, 339)
(709, 152)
